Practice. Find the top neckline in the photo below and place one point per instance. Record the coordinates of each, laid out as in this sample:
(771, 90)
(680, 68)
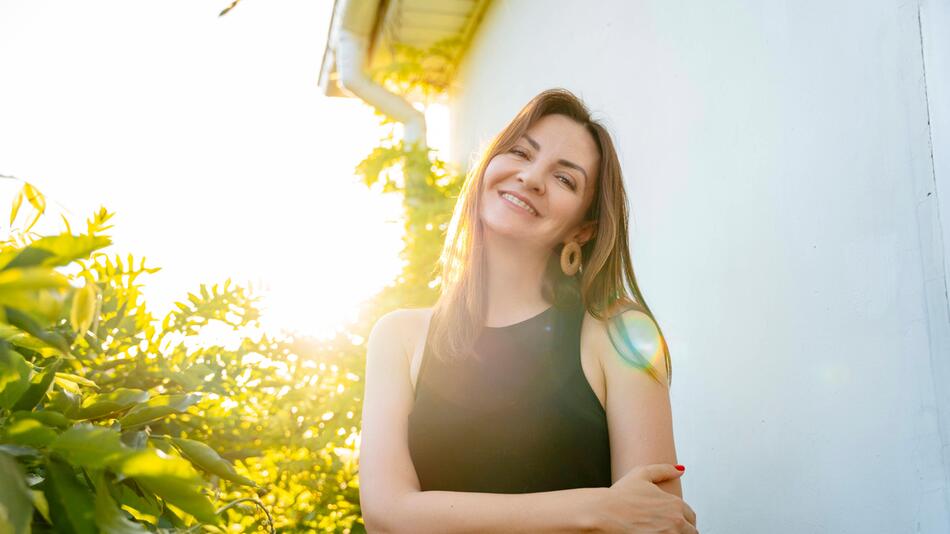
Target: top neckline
(519, 323)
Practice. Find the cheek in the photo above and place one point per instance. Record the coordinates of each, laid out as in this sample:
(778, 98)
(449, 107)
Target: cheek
(493, 171)
(569, 205)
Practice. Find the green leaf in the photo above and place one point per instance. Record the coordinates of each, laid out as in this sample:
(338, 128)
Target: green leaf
(35, 198)
(208, 459)
(143, 506)
(173, 479)
(70, 502)
(136, 439)
(24, 321)
(16, 206)
(47, 417)
(157, 408)
(90, 446)
(65, 402)
(78, 379)
(22, 339)
(39, 385)
(109, 517)
(15, 376)
(29, 432)
(41, 504)
(16, 503)
(59, 250)
(32, 278)
(83, 310)
(104, 404)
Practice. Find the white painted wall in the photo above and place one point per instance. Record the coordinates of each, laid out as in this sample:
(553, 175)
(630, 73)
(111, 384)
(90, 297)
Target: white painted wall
(786, 232)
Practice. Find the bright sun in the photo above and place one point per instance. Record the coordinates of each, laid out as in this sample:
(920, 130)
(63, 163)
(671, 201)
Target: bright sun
(218, 153)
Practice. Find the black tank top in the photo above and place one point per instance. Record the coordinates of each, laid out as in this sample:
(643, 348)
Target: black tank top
(523, 419)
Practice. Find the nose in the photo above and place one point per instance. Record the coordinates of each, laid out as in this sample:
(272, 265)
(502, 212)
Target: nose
(532, 179)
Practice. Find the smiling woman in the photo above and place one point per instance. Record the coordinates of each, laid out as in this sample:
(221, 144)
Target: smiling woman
(534, 395)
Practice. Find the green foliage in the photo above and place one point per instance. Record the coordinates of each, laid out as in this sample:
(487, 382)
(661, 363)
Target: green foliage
(429, 189)
(115, 420)
(420, 73)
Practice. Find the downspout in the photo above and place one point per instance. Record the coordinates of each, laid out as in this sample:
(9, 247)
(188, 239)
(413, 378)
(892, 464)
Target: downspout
(352, 44)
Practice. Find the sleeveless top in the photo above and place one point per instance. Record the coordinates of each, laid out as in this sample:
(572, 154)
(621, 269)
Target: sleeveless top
(523, 419)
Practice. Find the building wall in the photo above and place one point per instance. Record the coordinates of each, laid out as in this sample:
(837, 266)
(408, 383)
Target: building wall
(785, 231)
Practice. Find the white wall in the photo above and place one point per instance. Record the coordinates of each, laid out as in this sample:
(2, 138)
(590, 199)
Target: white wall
(786, 232)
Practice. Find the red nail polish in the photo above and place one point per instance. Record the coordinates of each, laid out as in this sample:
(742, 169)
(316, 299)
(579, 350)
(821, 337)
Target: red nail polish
(680, 467)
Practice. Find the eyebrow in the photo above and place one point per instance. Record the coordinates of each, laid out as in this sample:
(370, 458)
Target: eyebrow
(563, 162)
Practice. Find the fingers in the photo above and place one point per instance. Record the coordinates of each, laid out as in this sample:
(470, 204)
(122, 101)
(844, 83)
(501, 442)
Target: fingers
(659, 472)
(689, 514)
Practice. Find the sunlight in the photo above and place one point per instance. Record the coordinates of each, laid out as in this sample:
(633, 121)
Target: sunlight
(350, 262)
(206, 181)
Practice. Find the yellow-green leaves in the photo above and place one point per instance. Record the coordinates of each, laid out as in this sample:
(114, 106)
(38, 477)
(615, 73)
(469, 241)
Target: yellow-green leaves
(29, 432)
(24, 340)
(70, 503)
(171, 478)
(158, 407)
(90, 446)
(109, 518)
(208, 459)
(85, 304)
(29, 278)
(115, 401)
(16, 506)
(15, 376)
(46, 417)
(57, 250)
(34, 198)
(32, 325)
(104, 474)
(34, 290)
(39, 385)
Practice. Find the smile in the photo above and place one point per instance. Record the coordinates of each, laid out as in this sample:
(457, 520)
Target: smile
(518, 202)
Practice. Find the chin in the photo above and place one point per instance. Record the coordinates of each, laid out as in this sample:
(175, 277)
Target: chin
(505, 225)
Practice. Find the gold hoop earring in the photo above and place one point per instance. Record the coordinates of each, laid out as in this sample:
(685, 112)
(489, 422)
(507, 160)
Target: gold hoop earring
(571, 258)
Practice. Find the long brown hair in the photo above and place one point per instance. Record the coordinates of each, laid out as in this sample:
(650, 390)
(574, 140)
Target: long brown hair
(606, 272)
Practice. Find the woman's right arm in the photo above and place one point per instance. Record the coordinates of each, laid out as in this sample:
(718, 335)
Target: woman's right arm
(390, 497)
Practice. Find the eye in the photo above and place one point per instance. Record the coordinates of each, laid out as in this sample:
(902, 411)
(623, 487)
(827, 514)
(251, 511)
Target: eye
(518, 151)
(567, 181)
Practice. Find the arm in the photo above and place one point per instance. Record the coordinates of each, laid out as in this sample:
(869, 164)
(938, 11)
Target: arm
(390, 496)
(564, 511)
(639, 417)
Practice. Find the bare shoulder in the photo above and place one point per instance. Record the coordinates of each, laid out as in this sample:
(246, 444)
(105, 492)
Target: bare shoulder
(594, 337)
(612, 338)
(400, 327)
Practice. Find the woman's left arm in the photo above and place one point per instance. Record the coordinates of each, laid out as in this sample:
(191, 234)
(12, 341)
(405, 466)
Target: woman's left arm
(639, 417)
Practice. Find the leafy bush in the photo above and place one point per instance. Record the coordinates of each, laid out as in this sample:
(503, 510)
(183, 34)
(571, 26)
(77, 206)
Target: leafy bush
(114, 420)
(111, 420)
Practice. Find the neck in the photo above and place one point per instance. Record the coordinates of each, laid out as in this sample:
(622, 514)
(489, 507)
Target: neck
(515, 278)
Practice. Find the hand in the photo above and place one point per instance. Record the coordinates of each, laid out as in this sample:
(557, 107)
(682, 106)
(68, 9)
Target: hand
(635, 504)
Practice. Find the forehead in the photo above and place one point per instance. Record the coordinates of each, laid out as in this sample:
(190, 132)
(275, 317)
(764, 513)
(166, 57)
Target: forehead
(564, 138)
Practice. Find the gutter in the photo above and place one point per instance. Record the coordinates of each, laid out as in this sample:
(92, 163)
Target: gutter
(350, 49)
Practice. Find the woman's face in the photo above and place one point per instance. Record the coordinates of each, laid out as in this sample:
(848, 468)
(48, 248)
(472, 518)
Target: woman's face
(552, 169)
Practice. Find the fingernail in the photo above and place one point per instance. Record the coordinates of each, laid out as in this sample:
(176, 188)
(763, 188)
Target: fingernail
(680, 467)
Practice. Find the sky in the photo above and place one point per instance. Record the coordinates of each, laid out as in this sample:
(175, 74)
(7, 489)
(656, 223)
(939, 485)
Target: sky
(211, 141)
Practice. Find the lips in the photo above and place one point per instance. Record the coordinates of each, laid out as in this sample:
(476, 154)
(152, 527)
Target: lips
(523, 199)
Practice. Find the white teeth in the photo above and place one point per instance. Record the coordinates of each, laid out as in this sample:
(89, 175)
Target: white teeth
(519, 202)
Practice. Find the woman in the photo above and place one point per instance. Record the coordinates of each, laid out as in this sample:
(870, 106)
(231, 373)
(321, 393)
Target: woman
(532, 397)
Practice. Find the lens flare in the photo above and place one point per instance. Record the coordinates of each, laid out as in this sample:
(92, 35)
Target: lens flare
(637, 339)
